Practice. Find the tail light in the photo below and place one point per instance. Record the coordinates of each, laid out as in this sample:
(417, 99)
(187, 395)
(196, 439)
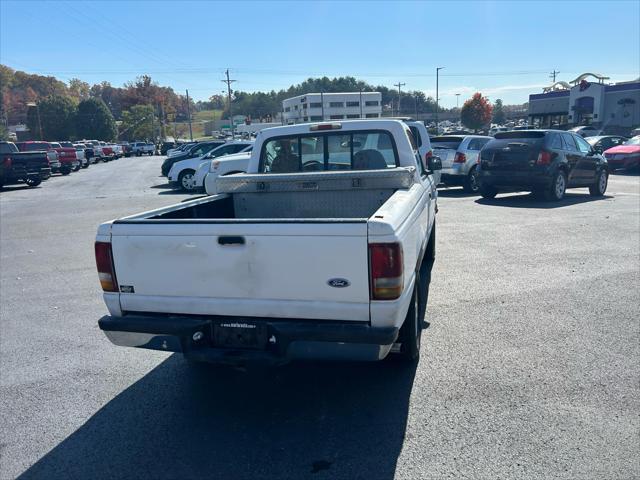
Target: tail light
(427, 156)
(385, 261)
(460, 158)
(544, 158)
(104, 262)
(7, 162)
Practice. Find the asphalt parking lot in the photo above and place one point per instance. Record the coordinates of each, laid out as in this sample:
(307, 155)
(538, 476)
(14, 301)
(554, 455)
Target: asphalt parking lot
(529, 368)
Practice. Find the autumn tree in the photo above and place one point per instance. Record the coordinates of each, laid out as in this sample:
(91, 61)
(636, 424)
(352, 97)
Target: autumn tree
(79, 89)
(476, 112)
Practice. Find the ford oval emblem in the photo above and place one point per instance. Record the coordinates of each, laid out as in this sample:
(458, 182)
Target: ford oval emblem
(339, 282)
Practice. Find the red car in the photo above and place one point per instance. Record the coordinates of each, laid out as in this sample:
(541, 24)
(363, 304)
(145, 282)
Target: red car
(625, 156)
(68, 158)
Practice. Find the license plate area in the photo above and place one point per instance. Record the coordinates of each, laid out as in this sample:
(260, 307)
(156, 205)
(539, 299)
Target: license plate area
(239, 334)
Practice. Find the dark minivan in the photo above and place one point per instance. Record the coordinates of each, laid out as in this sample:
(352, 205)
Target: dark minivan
(545, 162)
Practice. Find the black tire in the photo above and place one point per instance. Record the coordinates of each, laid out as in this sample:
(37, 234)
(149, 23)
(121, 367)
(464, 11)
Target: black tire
(33, 181)
(75, 169)
(85, 165)
(138, 154)
(599, 187)
(183, 182)
(411, 330)
(472, 182)
(487, 191)
(65, 170)
(430, 254)
(558, 187)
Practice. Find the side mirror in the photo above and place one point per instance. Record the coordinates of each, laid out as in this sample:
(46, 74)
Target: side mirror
(434, 164)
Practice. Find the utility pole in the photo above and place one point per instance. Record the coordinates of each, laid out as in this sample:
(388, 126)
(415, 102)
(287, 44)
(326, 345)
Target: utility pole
(360, 102)
(437, 94)
(228, 81)
(553, 74)
(189, 115)
(399, 93)
(322, 102)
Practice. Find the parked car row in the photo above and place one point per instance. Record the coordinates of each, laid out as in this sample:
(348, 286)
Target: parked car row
(31, 162)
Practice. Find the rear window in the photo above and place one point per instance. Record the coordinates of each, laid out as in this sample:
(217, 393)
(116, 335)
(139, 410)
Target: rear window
(446, 142)
(32, 147)
(8, 148)
(359, 150)
(520, 134)
(67, 144)
(416, 135)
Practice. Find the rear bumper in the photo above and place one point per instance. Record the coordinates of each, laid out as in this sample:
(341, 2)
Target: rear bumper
(288, 339)
(523, 182)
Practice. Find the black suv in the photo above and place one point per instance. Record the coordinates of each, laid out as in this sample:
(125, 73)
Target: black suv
(545, 162)
(196, 150)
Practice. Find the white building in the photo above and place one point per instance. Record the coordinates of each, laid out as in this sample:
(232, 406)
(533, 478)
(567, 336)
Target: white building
(316, 107)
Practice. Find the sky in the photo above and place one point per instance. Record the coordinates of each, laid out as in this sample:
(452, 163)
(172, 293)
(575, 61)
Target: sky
(503, 49)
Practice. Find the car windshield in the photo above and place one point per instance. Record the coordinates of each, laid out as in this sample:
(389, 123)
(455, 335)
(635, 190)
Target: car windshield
(66, 144)
(8, 148)
(633, 141)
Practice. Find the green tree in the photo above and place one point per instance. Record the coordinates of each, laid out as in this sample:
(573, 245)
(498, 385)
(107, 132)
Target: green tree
(499, 116)
(476, 112)
(79, 89)
(94, 121)
(138, 123)
(57, 116)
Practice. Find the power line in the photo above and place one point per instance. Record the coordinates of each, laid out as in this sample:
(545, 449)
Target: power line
(553, 74)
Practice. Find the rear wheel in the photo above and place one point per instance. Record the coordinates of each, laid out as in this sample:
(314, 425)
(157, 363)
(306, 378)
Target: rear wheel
(472, 181)
(76, 168)
(85, 165)
(558, 187)
(487, 191)
(187, 180)
(33, 181)
(411, 330)
(65, 170)
(600, 185)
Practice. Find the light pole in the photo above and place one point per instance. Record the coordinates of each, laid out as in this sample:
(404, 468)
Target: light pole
(437, 93)
(34, 104)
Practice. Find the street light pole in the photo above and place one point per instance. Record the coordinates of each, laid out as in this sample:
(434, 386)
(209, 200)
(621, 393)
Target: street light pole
(437, 94)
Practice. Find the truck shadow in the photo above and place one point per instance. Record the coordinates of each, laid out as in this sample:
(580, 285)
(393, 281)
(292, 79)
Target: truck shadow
(528, 200)
(186, 421)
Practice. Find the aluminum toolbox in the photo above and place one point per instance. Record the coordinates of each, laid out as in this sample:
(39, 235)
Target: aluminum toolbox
(347, 194)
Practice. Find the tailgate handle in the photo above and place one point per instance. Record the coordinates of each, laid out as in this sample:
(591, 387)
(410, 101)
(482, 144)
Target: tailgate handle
(227, 240)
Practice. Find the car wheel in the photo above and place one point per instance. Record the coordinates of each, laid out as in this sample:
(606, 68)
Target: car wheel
(33, 182)
(186, 180)
(85, 165)
(558, 187)
(472, 181)
(600, 185)
(488, 192)
(75, 169)
(65, 170)
(411, 330)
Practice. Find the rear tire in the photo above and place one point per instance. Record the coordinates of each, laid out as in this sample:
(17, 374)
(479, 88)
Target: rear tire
(33, 182)
(411, 330)
(75, 169)
(65, 170)
(472, 182)
(600, 185)
(488, 192)
(558, 187)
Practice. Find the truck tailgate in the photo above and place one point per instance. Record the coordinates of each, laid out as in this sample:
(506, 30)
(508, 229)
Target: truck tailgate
(270, 269)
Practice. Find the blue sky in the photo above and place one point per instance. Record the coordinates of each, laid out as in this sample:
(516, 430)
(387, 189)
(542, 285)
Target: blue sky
(503, 49)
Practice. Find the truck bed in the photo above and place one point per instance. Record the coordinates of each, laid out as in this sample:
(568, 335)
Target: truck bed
(305, 195)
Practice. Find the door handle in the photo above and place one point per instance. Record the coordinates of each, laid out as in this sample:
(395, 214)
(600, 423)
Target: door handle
(231, 240)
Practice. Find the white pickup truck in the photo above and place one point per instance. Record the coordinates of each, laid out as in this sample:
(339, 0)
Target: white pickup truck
(322, 250)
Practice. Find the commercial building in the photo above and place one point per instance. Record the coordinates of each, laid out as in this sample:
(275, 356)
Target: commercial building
(614, 107)
(316, 107)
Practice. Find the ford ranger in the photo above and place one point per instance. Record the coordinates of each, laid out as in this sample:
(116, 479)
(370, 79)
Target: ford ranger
(323, 250)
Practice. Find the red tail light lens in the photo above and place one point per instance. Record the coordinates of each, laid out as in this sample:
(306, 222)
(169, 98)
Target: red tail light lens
(460, 158)
(104, 262)
(385, 261)
(427, 156)
(544, 158)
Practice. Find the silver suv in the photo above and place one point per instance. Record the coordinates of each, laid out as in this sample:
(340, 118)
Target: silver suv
(459, 155)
